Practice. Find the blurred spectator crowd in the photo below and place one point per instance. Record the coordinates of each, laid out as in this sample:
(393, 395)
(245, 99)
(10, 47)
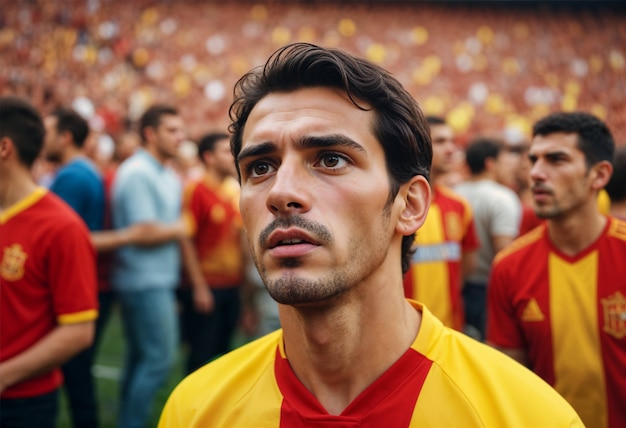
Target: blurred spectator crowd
(484, 67)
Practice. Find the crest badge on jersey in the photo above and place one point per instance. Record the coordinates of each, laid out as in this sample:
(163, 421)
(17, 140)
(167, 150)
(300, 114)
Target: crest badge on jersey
(13, 261)
(454, 226)
(614, 311)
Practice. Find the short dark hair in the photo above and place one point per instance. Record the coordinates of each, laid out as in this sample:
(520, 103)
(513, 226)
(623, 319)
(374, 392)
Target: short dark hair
(151, 118)
(22, 123)
(208, 142)
(616, 187)
(594, 137)
(479, 150)
(70, 121)
(399, 125)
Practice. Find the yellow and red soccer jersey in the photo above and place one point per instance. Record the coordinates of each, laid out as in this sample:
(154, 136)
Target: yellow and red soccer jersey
(47, 278)
(444, 379)
(569, 314)
(435, 275)
(213, 214)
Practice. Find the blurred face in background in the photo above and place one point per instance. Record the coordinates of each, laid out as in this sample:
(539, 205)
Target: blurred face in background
(444, 149)
(508, 166)
(223, 159)
(166, 139)
(53, 142)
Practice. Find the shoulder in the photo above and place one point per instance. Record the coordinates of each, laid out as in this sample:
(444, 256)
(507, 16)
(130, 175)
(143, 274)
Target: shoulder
(521, 246)
(617, 229)
(52, 219)
(445, 196)
(217, 387)
(58, 211)
(471, 376)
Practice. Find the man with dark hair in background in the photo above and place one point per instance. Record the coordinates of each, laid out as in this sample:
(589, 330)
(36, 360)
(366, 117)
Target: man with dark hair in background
(79, 183)
(497, 216)
(557, 295)
(48, 303)
(445, 247)
(211, 204)
(146, 207)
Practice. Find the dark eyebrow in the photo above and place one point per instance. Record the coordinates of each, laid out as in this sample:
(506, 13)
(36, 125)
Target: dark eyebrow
(307, 142)
(257, 150)
(332, 140)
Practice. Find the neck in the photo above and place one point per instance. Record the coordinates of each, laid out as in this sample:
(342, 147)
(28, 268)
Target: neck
(15, 187)
(155, 153)
(326, 345)
(572, 234)
(213, 175)
(70, 154)
(485, 175)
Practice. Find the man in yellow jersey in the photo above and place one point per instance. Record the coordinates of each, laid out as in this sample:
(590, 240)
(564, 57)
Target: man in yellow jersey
(557, 295)
(445, 247)
(334, 155)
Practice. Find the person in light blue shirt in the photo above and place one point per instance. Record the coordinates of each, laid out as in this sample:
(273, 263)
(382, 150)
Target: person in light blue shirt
(79, 183)
(147, 198)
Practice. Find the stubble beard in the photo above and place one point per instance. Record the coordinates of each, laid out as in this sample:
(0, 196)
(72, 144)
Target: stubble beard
(291, 289)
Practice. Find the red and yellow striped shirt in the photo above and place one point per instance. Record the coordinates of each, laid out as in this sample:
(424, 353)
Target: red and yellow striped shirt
(569, 314)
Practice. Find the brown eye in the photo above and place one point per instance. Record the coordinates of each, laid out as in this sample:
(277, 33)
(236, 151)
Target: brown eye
(260, 169)
(332, 161)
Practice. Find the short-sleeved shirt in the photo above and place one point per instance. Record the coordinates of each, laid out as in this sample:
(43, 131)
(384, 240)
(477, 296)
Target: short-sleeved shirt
(445, 379)
(47, 278)
(80, 185)
(434, 277)
(213, 214)
(497, 212)
(569, 314)
(145, 191)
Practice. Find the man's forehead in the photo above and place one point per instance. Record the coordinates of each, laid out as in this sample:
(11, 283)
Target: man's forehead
(308, 111)
(559, 141)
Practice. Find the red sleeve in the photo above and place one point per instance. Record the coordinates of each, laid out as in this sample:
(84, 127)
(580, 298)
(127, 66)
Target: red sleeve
(502, 326)
(72, 275)
(470, 240)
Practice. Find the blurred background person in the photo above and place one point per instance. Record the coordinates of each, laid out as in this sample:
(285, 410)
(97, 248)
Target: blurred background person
(211, 205)
(146, 198)
(445, 245)
(79, 183)
(497, 214)
(47, 278)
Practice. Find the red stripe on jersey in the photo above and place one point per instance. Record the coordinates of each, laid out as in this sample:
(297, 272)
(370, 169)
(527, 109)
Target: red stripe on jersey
(388, 401)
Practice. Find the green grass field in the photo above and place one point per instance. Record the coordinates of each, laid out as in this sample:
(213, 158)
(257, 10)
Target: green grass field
(107, 370)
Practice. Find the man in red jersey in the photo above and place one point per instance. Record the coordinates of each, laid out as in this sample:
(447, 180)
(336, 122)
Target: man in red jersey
(334, 158)
(47, 278)
(211, 206)
(557, 295)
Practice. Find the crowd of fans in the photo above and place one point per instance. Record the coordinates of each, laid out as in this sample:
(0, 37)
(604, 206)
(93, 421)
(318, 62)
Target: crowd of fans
(485, 67)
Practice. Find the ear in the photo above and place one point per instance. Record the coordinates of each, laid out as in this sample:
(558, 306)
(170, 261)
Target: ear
(600, 174)
(207, 157)
(490, 164)
(149, 133)
(6, 147)
(416, 201)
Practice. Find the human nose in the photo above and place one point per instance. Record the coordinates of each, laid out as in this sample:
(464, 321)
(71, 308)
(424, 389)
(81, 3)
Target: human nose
(289, 192)
(537, 171)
